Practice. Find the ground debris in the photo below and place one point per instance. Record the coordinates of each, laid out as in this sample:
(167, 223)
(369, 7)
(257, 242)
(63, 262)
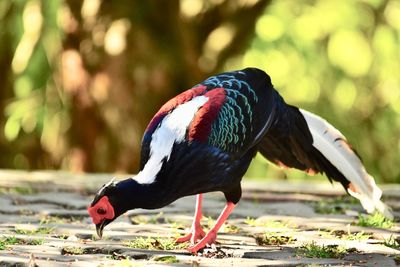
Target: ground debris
(35, 233)
(215, 252)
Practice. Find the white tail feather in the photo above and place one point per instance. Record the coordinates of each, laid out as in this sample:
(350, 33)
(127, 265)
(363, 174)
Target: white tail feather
(333, 145)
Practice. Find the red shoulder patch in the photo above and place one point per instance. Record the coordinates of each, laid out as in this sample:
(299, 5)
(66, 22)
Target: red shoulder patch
(200, 127)
(173, 103)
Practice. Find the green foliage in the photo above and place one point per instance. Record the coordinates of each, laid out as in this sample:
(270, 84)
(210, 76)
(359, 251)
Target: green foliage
(144, 219)
(40, 230)
(11, 240)
(210, 222)
(116, 256)
(273, 239)
(335, 58)
(268, 224)
(397, 259)
(355, 236)
(392, 242)
(34, 242)
(166, 259)
(59, 66)
(312, 250)
(71, 250)
(251, 221)
(58, 220)
(231, 229)
(33, 63)
(18, 190)
(62, 236)
(376, 220)
(345, 235)
(154, 243)
(6, 241)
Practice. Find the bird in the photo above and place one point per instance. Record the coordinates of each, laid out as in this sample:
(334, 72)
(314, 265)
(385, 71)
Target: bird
(204, 139)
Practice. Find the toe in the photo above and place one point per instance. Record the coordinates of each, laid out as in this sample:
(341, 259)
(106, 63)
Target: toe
(209, 238)
(193, 249)
(184, 238)
(197, 235)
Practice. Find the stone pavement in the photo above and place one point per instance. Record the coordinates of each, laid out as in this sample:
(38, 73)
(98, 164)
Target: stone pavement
(43, 222)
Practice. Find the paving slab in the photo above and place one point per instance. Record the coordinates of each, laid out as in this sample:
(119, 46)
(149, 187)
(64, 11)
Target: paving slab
(43, 222)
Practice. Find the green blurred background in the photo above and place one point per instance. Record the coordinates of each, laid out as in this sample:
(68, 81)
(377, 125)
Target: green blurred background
(81, 79)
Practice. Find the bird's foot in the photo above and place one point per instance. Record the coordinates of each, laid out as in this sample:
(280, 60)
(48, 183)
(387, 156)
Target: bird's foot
(208, 239)
(197, 233)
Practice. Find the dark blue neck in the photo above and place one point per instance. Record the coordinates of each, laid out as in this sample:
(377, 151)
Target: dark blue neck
(132, 195)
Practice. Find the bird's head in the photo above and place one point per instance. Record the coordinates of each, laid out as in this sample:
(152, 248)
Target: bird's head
(115, 198)
(105, 206)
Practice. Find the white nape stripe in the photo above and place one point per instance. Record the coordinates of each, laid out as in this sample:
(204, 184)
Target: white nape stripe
(172, 130)
(106, 185)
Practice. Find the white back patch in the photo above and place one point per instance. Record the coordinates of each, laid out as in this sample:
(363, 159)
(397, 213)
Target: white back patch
(172, 130)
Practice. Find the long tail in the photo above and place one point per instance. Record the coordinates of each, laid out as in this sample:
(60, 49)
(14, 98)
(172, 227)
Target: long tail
(334, 146)
(302, 140)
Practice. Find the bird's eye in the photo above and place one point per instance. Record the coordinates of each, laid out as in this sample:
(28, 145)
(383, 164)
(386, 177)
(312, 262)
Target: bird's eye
(101, 211)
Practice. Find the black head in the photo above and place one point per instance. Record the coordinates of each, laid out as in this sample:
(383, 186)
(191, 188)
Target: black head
(115, 198)
(105, 206)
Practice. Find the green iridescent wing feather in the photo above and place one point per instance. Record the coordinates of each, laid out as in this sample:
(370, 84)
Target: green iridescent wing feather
(233, 128)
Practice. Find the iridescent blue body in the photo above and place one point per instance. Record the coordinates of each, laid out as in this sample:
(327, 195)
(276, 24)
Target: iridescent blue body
(204, 139)
(217, 159)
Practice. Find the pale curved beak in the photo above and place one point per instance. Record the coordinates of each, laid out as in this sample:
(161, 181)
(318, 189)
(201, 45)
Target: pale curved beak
(100, 227)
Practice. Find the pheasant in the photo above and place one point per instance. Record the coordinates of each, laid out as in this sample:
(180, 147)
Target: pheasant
(204, 139)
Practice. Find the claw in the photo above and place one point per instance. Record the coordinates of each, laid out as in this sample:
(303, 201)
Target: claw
(183, 238)
(211, 236)
(195, 234)
(209, 239)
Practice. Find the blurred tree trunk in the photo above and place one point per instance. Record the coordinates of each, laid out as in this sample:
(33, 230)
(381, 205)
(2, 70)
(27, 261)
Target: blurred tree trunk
(82, 78)
(115, 93)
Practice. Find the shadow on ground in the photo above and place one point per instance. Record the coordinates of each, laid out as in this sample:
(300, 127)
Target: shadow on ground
(43, 222)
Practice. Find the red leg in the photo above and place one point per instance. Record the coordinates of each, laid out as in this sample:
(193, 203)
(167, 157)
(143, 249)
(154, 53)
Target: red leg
(211, 236)
(196, 233)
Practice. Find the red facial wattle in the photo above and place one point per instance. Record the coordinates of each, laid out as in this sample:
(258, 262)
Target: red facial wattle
(101, 210)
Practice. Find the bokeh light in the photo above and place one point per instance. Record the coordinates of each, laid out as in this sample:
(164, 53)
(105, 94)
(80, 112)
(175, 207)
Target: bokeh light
(81, 79)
